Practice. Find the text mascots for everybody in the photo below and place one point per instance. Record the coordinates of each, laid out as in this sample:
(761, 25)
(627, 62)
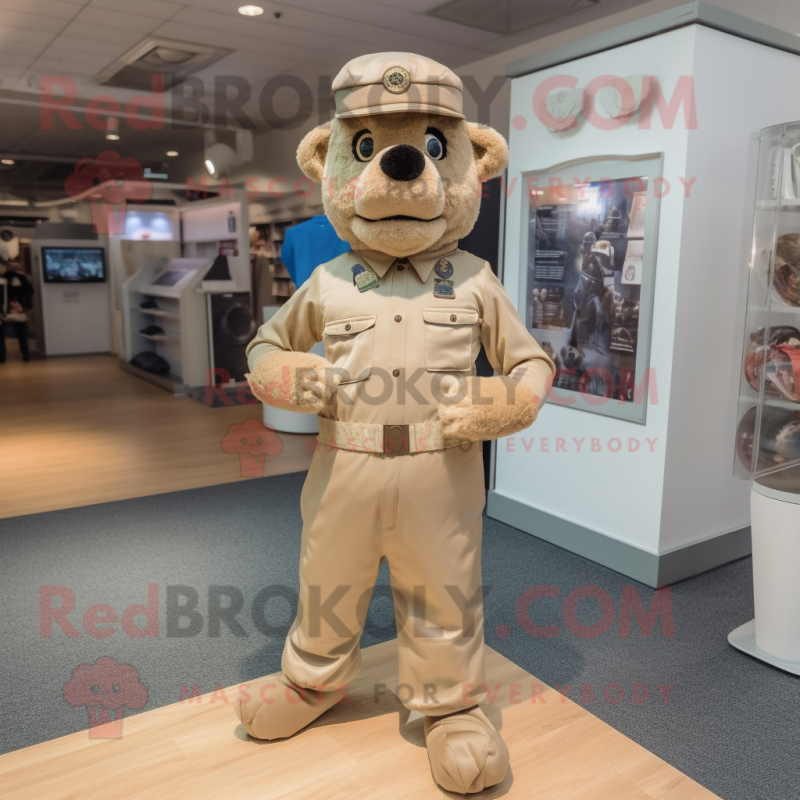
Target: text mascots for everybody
(398, 470)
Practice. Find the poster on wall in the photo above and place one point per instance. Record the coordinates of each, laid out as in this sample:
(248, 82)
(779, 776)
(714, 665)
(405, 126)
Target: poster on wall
(588, 279)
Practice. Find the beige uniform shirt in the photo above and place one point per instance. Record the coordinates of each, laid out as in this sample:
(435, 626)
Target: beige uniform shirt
(400, 347)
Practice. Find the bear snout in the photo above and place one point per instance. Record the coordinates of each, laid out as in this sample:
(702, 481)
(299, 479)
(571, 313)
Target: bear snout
(403, 162)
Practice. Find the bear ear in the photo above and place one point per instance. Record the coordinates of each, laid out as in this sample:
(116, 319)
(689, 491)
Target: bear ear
(313, 150)
(490, 149)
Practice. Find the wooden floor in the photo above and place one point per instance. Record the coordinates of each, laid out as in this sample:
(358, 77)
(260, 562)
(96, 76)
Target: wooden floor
(77, 431)
(363, 750)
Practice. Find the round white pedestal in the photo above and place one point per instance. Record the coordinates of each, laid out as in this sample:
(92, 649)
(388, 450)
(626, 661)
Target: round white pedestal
(291, 421)
(774, 635)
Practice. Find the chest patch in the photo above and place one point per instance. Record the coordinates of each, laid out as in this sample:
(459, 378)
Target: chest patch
(443, 289)
(362, 279)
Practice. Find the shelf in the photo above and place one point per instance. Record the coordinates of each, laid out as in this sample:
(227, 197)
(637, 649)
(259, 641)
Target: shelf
(777, 402)
(159, 337)
(155, 312)
(780, 307)
(780, 205)
(172, 383)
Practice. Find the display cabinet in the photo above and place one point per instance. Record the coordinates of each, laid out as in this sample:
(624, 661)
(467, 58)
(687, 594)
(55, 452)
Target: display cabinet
(768, 434)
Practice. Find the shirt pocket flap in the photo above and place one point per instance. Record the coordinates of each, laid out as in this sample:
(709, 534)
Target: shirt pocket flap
(345, 327)
(450, 316)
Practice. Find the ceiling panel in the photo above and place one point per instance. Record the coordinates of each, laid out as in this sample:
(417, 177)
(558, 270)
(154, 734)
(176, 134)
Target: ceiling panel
(148, 8)
(445, 31)
(417, 6)
(73, 68)
(120, 36)
(19, 48)
(23, 36)
(31, 22)
(318, 29)
(15, 59)
(115, 19)
(221, 38)
(81, 45)
(9, 77)
(56, 9)
(357, 10)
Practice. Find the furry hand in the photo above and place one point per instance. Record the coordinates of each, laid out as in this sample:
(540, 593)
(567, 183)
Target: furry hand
(292, 381)
(488, 408)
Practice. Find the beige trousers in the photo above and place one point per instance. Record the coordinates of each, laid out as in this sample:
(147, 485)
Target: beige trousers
(422, 513)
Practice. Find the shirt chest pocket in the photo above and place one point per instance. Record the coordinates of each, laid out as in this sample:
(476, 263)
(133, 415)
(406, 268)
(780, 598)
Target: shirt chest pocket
(349, 346)
(450, 334)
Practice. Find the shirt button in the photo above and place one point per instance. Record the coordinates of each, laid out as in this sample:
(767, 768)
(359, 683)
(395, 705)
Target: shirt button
(348, 326)
(400, 267)
(453, 318)
(398, 318)
(396, 373)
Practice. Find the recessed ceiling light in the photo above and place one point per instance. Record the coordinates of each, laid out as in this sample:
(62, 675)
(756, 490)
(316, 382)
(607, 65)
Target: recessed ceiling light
(251, 11)
(112, 129)
(9, 162)
(172, 153)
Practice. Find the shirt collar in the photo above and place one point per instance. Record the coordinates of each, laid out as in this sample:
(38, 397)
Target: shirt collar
(422, 262)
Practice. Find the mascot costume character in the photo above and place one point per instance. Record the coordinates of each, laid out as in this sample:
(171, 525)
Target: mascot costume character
(398, 472)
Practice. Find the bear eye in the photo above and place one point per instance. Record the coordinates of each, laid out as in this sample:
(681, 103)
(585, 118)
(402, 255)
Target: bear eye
(363, 145)
(435, 144)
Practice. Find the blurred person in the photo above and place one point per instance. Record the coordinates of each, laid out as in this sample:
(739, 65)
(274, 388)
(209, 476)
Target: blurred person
(15, 301)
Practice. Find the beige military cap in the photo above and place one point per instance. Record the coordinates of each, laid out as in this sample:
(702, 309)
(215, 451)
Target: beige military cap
(382, 83)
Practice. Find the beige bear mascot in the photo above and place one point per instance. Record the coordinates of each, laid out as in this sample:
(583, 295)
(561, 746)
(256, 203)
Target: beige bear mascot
(398, 474)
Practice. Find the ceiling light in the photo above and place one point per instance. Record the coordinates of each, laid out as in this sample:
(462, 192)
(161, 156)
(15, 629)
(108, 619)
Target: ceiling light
(8, 162)
(220, 157)
(251, 11)
(172, 153)
(112, 129)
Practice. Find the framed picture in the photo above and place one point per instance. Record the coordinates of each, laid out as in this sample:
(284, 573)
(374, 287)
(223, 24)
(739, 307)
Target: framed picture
(586, 287)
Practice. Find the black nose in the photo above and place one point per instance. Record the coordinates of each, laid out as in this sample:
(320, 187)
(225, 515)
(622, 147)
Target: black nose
(403, 163)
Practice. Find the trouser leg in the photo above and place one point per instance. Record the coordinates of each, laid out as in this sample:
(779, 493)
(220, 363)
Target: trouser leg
(339, 562)
(434, 558)
(21, 329)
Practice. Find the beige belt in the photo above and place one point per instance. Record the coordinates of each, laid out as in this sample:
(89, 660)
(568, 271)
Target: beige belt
(365, 437)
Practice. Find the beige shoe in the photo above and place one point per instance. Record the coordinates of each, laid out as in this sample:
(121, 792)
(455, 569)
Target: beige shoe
(274, 707)
(466, 753)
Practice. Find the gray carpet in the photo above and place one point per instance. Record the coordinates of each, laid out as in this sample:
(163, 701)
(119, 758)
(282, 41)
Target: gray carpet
(730, 721)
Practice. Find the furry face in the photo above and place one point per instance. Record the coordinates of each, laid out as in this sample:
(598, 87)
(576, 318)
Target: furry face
(402, 183)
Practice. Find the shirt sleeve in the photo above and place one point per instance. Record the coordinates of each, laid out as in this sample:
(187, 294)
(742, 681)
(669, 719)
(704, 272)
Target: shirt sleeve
(297, 326)
(511, 350)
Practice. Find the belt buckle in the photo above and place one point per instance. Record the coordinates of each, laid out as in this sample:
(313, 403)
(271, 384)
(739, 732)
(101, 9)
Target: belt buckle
(396, 439)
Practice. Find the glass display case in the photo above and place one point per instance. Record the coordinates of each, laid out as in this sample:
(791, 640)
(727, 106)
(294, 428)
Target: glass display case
(768, 435)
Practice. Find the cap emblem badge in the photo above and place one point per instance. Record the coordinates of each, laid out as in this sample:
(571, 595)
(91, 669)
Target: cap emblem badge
(396, 80)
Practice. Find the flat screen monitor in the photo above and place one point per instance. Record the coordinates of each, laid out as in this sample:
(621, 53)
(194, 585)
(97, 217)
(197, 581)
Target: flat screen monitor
(74, 264)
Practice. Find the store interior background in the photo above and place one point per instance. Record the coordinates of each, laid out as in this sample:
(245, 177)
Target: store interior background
(78, 434)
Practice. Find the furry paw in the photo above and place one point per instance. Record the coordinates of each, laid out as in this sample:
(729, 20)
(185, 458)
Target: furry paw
(466, 753)
(488, 408)
(292, 381)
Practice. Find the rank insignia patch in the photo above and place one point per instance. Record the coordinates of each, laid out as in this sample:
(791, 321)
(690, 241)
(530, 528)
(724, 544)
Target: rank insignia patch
(443, 268)
(362, 279)
(444, 289)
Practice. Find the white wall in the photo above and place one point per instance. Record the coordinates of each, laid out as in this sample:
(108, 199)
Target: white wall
(617, 494)
(741, 87)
